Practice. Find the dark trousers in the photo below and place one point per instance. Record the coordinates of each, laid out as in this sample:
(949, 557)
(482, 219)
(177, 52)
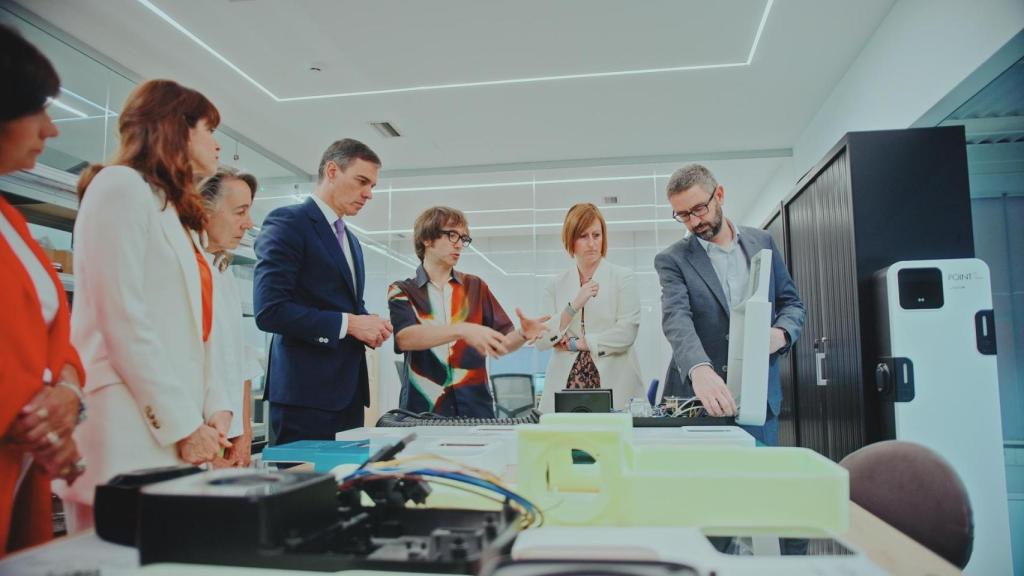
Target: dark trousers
(767, 434)
(292, 423)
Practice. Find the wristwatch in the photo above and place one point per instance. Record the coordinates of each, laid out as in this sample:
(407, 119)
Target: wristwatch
(572, 345)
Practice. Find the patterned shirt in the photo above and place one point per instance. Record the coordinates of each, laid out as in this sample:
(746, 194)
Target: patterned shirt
(450, 379)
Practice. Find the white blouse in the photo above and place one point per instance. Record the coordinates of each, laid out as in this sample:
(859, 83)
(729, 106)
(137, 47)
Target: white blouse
(49, 299)
(227, 344)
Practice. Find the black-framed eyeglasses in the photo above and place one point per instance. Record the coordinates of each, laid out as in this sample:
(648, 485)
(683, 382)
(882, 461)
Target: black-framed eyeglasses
(698, 211)
(454, 236)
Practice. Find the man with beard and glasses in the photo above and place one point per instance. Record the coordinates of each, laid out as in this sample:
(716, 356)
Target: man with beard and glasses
(702, 277)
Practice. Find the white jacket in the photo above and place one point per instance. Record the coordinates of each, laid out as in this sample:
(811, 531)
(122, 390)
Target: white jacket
(612, 323)
(137, 324)
(232, 360)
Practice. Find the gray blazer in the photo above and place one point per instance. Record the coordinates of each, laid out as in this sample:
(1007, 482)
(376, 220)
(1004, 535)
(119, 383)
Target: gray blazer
(695, 315)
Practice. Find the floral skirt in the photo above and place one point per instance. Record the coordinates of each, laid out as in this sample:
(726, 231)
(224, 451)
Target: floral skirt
(584, 373)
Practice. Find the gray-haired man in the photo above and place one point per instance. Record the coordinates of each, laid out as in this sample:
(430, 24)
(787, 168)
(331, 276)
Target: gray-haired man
(703, 276)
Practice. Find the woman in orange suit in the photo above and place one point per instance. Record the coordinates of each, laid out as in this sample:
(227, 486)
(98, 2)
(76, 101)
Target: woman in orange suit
(40, 372)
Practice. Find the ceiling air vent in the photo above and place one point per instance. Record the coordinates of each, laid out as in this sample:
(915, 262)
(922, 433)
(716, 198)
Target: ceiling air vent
(386, 129)
(610, 200)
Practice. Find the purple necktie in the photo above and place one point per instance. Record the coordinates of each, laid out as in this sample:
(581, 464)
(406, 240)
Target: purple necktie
(339, 231)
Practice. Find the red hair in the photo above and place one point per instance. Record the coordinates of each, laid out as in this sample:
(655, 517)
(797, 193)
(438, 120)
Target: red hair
(154, 128)
(579, 218)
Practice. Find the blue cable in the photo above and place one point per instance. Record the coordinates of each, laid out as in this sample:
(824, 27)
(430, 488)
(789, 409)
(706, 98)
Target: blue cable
(456, 476)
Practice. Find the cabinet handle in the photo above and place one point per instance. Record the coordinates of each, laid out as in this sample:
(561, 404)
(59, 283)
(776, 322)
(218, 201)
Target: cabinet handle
(820, 355)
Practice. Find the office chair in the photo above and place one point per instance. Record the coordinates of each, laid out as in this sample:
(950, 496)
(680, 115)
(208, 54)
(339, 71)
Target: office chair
(513, 394)
(916, 491)
(652, 393)
(400, 366)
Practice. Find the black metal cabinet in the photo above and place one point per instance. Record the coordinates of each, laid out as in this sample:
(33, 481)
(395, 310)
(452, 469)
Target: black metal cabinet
(875, 199)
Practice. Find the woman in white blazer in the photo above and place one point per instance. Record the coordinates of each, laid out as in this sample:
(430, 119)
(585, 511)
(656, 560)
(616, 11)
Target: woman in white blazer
(595, 316)
(143, 296)
(227, 198)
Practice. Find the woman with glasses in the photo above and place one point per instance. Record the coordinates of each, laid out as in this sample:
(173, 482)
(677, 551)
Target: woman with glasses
(447, 323)
(595, 316)
(228, 197)
(144, 296)
(39, 368)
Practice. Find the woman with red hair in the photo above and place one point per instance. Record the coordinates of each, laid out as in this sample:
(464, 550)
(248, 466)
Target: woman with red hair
(144, 296)
(40, 372)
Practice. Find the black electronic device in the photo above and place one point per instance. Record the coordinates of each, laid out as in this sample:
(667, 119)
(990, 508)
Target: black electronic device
(305, 521)
(116, 504)
(404, 419)
(598, 400)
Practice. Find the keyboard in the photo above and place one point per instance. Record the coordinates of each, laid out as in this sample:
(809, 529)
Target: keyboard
(669, 422)
(406, 419)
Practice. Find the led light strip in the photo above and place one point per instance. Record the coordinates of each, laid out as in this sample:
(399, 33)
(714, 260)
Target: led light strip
(523, 226)
(67, 108)
(177, 26)
(499, 185)
(382, 249)
(79, 115)
(60, 120)
(103, 109)
(565, 209)
(488, 260)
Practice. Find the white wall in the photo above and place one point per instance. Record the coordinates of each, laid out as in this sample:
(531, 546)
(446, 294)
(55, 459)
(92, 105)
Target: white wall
(919, 53)
(778, 187)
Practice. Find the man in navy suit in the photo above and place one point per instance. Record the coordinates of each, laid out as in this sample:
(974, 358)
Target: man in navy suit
(308, 292)
(702, 277)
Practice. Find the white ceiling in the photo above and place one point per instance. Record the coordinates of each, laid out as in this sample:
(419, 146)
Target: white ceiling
(732, 83)
(804, 48)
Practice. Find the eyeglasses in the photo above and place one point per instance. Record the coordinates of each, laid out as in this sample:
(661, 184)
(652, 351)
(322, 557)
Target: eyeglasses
(454, 237)
(698, 211)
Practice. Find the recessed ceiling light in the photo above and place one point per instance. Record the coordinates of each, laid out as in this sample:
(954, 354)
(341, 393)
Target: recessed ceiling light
(386, 129)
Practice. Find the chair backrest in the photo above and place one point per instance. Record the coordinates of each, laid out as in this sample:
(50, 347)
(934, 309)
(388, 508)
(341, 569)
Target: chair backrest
(916, 491)
(652, 393)
(400, 366)
(513, 394)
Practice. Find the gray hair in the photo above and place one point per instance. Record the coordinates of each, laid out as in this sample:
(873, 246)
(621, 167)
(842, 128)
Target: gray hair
(212, 188)
(342, 153)
(689, 176)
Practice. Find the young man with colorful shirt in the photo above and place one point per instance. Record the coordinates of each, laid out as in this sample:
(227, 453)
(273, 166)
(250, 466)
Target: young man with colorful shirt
(447, 323)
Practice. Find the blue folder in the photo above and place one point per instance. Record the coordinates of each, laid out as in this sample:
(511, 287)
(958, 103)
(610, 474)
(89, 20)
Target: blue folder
(324, 454)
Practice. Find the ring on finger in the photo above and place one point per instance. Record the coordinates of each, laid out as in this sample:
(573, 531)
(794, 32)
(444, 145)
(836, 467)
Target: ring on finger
(53, 438)
(42, 413)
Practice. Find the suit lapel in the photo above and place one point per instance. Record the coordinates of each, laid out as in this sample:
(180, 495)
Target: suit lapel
(698, 258)
(330, 242)
(184, 253)
(750, 246)
(605, 293)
